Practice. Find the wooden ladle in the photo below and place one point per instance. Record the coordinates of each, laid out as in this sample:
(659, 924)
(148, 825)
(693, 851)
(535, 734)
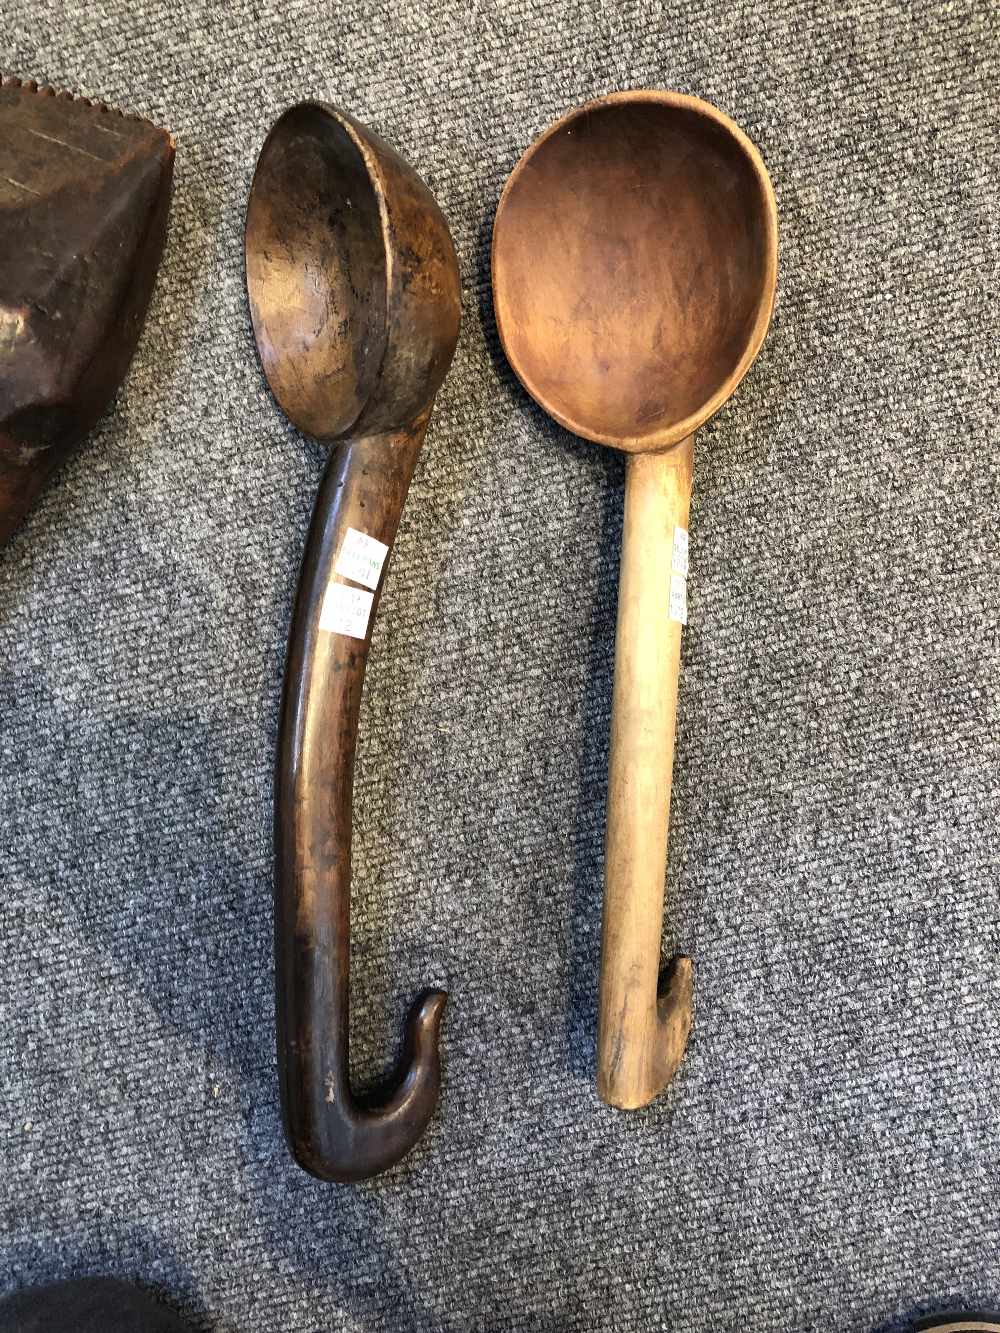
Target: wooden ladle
(634, 266)
(354, 295)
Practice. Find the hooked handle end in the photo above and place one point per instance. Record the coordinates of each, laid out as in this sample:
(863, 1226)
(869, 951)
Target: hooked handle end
(344, 1139)
(641, 1051)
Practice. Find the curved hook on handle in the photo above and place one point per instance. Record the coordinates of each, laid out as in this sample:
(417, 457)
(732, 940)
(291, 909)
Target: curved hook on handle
(642, 1044)
(331, 1134)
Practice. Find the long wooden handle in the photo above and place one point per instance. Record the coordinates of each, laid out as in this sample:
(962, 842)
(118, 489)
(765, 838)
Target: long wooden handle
(330, 1133)
(642, 1035)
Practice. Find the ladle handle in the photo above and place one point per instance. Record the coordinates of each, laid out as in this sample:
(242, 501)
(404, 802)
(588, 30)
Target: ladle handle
(331, 1134)
(642, 1034)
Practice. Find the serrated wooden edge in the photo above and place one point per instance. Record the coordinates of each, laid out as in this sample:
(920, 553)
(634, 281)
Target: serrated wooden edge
(63, 95)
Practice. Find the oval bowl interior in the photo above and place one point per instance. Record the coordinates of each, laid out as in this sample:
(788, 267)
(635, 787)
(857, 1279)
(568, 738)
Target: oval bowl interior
(316, 266)
(634, 267)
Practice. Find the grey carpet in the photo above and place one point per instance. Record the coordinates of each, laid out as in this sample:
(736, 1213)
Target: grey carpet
(828, 1157)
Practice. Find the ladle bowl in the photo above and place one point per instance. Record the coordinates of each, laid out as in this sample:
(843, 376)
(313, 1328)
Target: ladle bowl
(634, 270)
(354, 296)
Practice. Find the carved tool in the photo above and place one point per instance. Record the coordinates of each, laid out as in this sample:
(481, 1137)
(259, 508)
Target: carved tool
(354, 295)
(84, 197)
(634, 266)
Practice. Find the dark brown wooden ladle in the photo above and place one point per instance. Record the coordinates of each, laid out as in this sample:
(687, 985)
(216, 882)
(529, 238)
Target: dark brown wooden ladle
(354, 295)
(634, 265)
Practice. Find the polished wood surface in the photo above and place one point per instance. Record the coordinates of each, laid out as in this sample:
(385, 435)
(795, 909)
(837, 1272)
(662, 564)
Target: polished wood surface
(634, 271)
(84, 197)
(354, 296)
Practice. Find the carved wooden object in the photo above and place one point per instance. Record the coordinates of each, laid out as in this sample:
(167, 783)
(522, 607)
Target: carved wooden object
(634, 268)
(354, 295)
(84, 196)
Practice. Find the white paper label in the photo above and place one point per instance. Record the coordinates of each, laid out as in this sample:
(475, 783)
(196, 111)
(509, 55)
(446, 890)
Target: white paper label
(361, 558)
(679, 564)
(346, 610)
(679, 598)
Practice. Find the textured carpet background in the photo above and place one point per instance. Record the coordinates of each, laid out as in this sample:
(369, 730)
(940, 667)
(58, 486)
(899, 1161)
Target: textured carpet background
(829, 1155)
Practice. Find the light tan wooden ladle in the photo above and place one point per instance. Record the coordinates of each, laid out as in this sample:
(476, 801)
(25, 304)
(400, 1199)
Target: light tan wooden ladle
(635, 254)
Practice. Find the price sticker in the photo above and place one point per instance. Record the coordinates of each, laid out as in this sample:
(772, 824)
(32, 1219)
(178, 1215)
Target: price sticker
(361, 558)
(346, 611)
(679, 563)
(679, 598)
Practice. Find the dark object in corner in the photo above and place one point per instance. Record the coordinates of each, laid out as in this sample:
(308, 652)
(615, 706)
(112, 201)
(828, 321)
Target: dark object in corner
(354, 294)
(84, 196)
(86, 1305)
